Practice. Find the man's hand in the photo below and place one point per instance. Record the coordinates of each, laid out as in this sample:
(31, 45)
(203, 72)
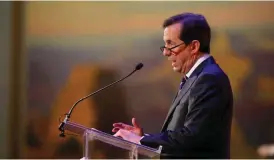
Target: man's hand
(128, 135)
(135, 128)
(266, 150)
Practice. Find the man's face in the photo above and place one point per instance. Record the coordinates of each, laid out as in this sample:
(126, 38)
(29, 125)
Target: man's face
(179, 55)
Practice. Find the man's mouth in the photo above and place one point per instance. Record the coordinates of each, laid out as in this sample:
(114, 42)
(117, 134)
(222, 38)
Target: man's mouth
(173, 63)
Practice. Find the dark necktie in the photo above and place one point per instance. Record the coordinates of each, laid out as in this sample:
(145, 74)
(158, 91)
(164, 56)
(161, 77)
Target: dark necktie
(184, 79)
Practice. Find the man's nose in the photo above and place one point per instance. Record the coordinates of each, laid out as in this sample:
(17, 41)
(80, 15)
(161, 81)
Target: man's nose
(166, 52)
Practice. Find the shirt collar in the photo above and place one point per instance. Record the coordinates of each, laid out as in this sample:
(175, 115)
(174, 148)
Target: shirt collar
(197, 63)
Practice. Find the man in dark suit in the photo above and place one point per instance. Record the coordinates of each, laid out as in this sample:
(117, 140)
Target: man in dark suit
(198, 123)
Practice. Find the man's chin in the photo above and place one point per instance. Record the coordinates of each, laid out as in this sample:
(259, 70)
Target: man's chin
(176, 69)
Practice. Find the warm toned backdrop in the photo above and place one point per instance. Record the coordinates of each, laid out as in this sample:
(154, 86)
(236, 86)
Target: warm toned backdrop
(76, 47)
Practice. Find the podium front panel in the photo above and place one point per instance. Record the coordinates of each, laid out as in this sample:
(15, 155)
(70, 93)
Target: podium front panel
(100, 145)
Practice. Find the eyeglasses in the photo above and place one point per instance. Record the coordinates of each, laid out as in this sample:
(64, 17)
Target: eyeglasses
(170, 49)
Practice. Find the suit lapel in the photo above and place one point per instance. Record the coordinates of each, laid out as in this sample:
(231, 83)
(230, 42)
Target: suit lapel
(185, 88)
(183, 91)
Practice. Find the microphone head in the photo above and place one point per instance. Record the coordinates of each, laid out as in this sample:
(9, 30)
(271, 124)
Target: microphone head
(139, 66)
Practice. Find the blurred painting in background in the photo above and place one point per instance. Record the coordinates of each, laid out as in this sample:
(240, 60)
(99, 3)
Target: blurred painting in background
(75, 48)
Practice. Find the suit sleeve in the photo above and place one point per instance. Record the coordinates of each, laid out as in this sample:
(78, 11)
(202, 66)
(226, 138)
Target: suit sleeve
(202, 119)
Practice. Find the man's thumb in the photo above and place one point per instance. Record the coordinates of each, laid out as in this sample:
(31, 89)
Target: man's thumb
(134, 123)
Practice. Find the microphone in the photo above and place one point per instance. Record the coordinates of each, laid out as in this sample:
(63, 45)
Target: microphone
(68, 115)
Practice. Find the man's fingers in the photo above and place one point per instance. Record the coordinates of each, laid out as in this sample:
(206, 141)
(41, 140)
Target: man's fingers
(117, 134)
(122, 126)
(115, 129)
(134, 123)
(117, 124)
(120, 133)
(266, 150)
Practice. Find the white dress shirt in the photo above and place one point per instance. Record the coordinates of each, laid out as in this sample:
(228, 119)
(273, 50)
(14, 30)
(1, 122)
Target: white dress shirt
(197, 63)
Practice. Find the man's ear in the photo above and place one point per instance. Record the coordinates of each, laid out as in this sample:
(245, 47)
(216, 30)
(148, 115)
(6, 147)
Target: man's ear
(194, 46)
